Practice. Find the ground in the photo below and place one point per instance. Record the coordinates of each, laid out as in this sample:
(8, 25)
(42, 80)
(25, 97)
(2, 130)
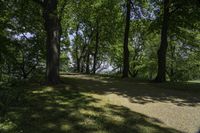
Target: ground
(99, 104)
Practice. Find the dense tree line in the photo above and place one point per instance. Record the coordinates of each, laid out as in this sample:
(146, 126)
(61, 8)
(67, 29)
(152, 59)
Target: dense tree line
(152, 39)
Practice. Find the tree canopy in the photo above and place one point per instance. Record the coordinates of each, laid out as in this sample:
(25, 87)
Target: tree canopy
(149, 39)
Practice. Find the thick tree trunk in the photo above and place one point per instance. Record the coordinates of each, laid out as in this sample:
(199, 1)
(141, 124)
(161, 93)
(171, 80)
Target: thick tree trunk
(161, 75)
(53, 30)
(126, 37)
(96, 49)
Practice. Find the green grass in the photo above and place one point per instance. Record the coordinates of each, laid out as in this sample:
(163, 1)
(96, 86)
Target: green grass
(194, 81)
(78, 105)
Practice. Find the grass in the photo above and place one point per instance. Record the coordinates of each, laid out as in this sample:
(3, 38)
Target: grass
(80, 105)
(194, 81)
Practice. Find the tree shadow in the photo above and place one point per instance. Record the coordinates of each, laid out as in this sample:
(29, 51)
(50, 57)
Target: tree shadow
(180, 94)
(67, 109)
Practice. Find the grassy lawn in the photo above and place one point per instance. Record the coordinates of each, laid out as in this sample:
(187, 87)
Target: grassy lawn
(194, 81)
(79, 105)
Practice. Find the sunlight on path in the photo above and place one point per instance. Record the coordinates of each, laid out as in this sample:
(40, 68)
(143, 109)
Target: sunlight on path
(174, 109)
(186, 119)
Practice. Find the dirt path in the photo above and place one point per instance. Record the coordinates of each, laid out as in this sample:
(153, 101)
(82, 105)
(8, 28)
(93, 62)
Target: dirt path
(174, 107)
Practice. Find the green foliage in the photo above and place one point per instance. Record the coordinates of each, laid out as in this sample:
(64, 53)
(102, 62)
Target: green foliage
(22, 37)
(22, 49)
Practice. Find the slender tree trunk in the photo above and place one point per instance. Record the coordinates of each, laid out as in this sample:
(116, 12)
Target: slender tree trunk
(78, 65)
(126, 37)
(82, 67)
(88, 63)
(172, 63)
(83, 63)
(161, 75)
(76, 50)
(96, 49)
(53, 30)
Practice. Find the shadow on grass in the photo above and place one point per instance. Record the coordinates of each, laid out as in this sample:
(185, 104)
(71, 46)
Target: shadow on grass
(180, 94)
(66, 109)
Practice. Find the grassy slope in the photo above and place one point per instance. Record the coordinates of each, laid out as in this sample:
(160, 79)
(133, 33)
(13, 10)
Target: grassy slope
(75, 106)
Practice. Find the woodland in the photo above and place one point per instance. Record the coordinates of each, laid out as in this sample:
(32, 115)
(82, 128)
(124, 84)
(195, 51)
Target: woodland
(61, 59)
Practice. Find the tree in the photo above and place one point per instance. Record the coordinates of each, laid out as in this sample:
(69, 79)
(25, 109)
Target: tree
(126, 38)
(53, 31)
(161, 75)
(96, 47)
(87, 36)
(22, 50)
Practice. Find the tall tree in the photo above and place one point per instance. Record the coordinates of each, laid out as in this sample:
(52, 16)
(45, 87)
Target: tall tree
(53, 29)
(96, 47)
(126, 38)
(161, 74)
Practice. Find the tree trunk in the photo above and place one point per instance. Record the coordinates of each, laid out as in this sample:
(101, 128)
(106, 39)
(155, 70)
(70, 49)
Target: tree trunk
(78, 65)
(96, 49)
(172, 72)
(88, 63)
(161, 75)
(126, 38)
(76, 50)
(53, 30)
(82, 67)
(83, 63)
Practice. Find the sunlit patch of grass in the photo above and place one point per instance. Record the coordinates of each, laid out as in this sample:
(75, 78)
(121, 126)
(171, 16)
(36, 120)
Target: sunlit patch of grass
(88, 122)
(7, 126)
(194, 81)
(35, 116)
(87, 112)
(48, 108)
(50, 125)
(61, 102)
(65, 127)
(43, 90)
(145, 129)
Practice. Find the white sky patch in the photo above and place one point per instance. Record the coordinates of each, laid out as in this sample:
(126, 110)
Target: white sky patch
(23, 35)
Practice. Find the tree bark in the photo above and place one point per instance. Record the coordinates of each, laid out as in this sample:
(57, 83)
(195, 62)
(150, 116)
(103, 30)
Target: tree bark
(161, 75)
(76, 50)
(88, 63)
(96, 48)
(82, 66)
(53, 30)
(126, 38)
(78, 65)
(172, 72)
